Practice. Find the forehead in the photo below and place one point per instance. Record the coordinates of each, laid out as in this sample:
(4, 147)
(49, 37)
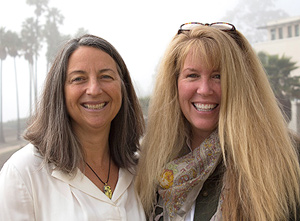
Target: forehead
(88, 57)
(200, 56)
(84, 52)
(192, 59)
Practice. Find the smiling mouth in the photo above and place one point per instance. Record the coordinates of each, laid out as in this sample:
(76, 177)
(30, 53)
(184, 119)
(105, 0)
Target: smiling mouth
(95, 106)
(205, 107)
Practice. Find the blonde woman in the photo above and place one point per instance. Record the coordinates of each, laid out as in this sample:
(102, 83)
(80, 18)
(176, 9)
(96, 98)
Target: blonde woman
(217, 146)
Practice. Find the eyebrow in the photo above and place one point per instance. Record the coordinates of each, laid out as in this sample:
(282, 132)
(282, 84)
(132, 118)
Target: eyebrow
(189, 69)
(99, 72)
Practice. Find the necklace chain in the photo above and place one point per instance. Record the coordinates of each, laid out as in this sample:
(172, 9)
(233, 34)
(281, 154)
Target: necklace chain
(107, 188)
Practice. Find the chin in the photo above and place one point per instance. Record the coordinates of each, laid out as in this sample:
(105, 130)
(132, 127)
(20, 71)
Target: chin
(207, 129)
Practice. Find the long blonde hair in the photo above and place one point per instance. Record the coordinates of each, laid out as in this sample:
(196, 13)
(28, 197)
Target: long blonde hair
(262, 175)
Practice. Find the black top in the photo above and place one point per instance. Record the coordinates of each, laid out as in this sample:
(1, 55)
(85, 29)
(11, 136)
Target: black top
(208, 198)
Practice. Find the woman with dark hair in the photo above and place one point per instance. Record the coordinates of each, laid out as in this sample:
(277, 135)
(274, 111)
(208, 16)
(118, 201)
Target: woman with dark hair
(217, 146)
(84, 136)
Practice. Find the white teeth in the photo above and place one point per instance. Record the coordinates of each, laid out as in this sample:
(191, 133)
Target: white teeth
(204, 107)
(94, 106)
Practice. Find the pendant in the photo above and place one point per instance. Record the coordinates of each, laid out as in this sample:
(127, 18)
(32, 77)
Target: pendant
(107, 191)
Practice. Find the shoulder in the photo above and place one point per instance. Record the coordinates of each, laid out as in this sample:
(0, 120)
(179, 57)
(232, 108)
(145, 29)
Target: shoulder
(24, 164)
(25, 158)
(16, 179)
(126, 175)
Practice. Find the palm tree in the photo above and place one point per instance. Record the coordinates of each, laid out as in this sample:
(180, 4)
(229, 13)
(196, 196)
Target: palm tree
(285, 86)
(81, 31)
(27, 37)
(13, 48)
(53, 37)
(40, 8)
(52, 34)
(3, 54)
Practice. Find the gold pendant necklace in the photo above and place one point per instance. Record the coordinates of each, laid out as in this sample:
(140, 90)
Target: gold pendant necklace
(106, 189)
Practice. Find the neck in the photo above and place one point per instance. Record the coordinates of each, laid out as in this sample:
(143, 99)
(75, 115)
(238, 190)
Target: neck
(96, 153)
(95, 146)
(198, 138)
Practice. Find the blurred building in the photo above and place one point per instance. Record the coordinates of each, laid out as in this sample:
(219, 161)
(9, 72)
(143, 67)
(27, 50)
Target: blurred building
(284, 39)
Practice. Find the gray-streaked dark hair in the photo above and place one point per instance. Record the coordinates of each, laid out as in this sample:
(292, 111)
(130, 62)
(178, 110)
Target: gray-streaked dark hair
(50, 129)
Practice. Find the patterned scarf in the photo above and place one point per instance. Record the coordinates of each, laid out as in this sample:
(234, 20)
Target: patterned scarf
(183, 178)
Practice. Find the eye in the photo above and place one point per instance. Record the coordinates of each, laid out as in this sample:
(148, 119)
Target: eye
(192, 75)
(106, 76)
(217, 76)
(77, 79)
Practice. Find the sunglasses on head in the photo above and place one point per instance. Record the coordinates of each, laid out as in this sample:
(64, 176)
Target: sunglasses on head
(223, 26)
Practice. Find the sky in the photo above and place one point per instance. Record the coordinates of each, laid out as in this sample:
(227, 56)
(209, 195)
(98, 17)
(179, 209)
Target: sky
(139, 29)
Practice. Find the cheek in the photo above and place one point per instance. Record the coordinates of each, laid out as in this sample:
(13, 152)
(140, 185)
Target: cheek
(184, 96)
(116, 93)
(66, 95)
(219, 91)
(181, 94)
(68, 102)
(71, 96)
(118, 90)
(185, 92)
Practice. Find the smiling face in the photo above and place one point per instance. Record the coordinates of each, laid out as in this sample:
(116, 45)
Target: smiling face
(92, 89)
(199, 91)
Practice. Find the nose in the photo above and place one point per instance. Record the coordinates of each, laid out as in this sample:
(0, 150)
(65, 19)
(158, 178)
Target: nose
(205, 87)
(93, 87)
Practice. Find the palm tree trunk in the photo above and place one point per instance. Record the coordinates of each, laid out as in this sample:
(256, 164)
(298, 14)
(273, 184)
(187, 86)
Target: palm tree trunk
(2, 140)
(30, 87)
(17, 100)
(35, 81)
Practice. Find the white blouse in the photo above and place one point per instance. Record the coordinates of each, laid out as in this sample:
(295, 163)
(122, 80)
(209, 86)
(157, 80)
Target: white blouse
(30, 191)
